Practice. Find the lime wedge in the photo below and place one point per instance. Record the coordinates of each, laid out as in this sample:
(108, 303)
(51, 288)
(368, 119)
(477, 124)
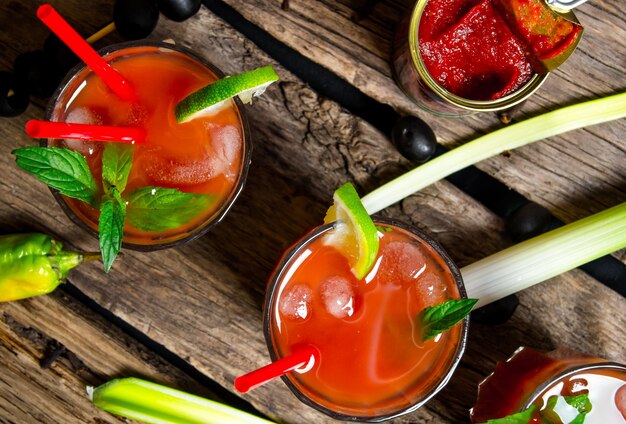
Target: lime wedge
(354, 234)
(216, 96)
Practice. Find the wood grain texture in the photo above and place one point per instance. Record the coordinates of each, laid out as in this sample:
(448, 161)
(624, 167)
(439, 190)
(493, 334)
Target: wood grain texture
(203, 300)
(94, 352)
(359, 52)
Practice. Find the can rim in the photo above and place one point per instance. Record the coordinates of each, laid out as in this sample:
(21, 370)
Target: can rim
(505, 102)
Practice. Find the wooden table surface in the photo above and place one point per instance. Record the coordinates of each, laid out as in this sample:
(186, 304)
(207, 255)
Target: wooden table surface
(190, 317)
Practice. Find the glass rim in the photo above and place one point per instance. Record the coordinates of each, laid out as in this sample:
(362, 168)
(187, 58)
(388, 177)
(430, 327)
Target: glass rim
(569, 371)
(246, 158)
(270, 297)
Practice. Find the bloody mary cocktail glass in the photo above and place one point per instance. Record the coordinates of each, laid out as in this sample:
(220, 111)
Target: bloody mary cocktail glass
(531, 377)
(372, 363)
(209, 155)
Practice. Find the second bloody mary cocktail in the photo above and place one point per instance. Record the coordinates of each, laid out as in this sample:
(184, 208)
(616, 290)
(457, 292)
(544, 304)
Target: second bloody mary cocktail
(207, 156)
(372, 363)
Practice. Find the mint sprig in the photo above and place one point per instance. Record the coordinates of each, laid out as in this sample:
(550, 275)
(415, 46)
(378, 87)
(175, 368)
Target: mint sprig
(436, 319)
(62, 169)
(116, 163)
(160, 209)
(149, 208)
(111, 226)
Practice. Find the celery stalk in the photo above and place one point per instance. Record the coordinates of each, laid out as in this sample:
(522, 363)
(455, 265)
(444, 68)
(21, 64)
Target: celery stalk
(152, 403)
(545, 256)
(507, 138)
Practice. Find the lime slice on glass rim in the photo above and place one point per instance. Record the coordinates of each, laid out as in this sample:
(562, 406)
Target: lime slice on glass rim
(216, 96)
(354, 233)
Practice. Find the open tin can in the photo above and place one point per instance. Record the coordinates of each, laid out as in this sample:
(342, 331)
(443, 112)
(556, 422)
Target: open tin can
(415, 80)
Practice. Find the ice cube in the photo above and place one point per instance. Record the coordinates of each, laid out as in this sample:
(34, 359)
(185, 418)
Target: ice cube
(226, 142)
(402, 262)
(295, 302)
(170, 171)
(83, 115)
(338, 297)
(430, 289)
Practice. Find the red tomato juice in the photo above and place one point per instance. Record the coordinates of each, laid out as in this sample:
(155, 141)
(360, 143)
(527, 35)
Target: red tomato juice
(372, 361)
(202, 156)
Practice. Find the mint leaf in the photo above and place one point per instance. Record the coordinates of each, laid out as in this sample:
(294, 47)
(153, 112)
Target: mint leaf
(437, 319)
(523, 417)
(159, 209)
(117, 159)
(111, 226)
(548, 414)
(555, 407)
(580, 402)
(62, 169)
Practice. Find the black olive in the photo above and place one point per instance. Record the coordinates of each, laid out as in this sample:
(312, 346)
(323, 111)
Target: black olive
(34, 74)
(59, 56)
(179, 10)
(135, 19)
(528, 221)
(497, 312)
(17, 102)
(414, 139)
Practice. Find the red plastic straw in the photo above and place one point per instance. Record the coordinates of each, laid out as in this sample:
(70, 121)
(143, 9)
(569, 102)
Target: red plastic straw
(45, 129)
(269, 372)
(118, 84)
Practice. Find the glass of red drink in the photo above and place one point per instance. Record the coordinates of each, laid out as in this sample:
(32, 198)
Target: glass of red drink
(372, 363)
(531, 377)
(208, 155)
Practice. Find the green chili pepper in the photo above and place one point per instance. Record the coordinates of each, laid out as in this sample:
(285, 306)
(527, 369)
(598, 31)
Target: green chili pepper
(34, 264)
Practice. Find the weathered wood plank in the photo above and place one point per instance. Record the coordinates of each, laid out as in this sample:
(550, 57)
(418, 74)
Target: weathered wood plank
(94, 351)
(203, 301)
(28, 394)
(359, 52)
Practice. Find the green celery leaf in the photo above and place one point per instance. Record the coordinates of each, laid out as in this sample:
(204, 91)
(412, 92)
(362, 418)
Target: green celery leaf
(437, 319)
(159, 209)
(117, 159)
(62, 169)
(111, 226)
(523, 417)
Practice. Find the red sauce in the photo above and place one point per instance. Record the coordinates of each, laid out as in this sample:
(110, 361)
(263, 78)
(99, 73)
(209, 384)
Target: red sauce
(469, 50)
(544, 34)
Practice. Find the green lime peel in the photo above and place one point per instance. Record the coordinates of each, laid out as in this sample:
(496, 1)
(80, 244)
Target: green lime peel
(153, 403)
